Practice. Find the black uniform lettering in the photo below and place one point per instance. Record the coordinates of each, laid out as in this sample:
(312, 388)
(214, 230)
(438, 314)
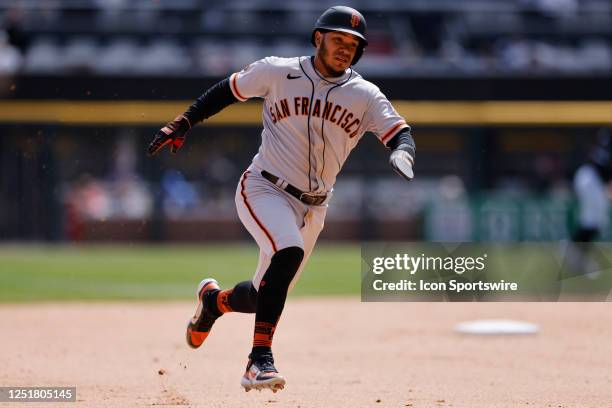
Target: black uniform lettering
(278, 112)
(327, 110)
(316, 111)
(296, 104)
(274, 120)
(346, 120)
(333, 115)
(349, 129)
(285, 108)
(341, 116)
(305, 105)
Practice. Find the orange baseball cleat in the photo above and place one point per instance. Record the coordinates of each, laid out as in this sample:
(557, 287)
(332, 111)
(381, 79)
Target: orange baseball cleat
(200, 324)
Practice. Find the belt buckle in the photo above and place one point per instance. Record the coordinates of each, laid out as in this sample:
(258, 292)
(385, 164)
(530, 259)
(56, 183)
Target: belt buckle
(312, 199)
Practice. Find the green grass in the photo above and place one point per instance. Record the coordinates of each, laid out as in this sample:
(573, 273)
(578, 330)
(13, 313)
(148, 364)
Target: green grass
(42, 273)
(165, 272)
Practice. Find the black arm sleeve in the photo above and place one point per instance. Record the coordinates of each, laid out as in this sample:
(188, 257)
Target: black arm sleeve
(215, 99)
(403, 141)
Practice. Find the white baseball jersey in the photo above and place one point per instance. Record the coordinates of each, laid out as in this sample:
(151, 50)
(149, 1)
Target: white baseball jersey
(311, 123)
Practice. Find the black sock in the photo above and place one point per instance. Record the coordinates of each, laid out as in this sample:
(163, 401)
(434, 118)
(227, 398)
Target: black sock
(241, 298)
(272, 294)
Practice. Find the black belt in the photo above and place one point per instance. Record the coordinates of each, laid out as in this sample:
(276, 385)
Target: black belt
(306, 198)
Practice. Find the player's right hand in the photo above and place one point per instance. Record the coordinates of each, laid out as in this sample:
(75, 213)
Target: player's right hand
(172, 134)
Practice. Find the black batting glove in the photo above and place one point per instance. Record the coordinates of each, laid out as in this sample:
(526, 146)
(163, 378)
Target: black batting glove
(172, 134)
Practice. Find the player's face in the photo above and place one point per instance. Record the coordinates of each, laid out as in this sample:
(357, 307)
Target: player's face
(335, 52)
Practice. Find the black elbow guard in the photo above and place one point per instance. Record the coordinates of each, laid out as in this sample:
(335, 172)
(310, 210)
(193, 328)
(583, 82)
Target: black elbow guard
(216, 98)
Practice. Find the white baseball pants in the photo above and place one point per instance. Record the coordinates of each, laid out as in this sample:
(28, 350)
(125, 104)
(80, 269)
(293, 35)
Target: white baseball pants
(276, 220)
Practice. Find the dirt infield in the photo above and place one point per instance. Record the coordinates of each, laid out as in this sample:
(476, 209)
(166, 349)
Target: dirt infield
(334, 353)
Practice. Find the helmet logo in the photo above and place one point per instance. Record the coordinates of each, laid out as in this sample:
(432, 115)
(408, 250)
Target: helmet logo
(355, 20)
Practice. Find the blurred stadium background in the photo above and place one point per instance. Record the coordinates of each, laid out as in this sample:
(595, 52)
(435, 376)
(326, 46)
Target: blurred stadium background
(505, 98)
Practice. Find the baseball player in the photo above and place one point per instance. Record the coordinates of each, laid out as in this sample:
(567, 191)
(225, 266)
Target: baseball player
(591, 188)
(590, 185)
(315, 111)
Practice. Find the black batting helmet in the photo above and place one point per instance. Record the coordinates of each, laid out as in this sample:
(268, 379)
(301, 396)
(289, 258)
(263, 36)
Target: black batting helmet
(346, 20)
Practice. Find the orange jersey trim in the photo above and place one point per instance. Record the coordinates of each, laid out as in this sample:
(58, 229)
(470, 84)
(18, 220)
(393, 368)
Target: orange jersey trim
(385, 138)
(248, 206)
(234, 88)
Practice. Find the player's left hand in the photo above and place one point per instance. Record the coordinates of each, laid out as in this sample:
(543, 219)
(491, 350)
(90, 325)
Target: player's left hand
(402, 163)
(172, 134)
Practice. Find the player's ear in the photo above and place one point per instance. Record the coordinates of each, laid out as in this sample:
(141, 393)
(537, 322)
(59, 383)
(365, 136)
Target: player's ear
(318, 38)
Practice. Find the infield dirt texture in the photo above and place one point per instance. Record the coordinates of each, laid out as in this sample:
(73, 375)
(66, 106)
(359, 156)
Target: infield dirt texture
(335, 352)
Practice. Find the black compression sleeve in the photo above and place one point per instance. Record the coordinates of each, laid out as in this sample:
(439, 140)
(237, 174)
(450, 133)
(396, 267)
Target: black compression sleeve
(403, 141)
(216, 98)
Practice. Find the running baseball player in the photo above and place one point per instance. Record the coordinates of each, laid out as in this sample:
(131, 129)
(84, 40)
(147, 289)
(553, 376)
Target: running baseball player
(315, 111)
